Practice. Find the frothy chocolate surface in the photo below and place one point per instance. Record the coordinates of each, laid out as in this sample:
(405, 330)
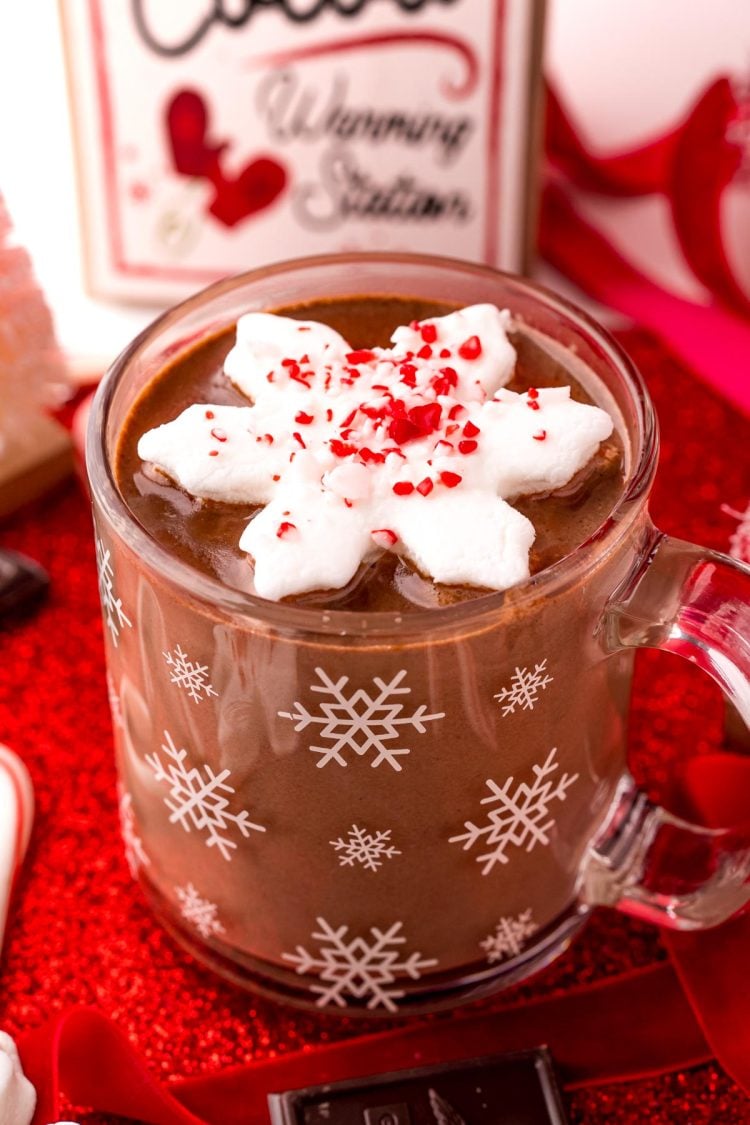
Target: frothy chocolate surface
(206, 533)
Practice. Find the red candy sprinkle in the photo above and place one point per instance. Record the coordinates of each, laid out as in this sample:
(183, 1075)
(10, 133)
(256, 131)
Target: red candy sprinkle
(533, 392)
(471, 348)
(532, 404)
(445, 382)
(467, 446)
(425, 352)
(540, 436)
(384, 537)
(329, 415)
(213, 453)
(219, 435)
(284, 529)
(268, 438)
(425, 486)
(371, 455)
(275, 477)
(402, 430)
(428, 332)
(445, 353)
(470, 430)
(210, 414)
(450, 480)
(362, 355)
(341, 448)
(403, 487)
(454, 411)
(303, 419)
(298, 438)
(426, 417)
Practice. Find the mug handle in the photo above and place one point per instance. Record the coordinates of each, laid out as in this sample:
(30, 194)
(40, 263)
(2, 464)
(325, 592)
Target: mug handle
(645, 861)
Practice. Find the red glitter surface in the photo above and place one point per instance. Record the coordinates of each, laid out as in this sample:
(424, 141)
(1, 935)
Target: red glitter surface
(80, 930)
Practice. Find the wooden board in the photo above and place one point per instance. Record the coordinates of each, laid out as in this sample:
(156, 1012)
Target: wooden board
(33, 458)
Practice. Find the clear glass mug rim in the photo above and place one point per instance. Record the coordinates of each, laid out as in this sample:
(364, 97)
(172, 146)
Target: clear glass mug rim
(341, 622)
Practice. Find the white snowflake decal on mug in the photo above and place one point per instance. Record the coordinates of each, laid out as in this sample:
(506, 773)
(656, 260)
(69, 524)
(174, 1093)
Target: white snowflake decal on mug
(519, 817)
(360, 722)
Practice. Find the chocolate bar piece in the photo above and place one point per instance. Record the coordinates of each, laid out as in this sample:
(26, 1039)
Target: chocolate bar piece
(512, 1089)
(22, 584)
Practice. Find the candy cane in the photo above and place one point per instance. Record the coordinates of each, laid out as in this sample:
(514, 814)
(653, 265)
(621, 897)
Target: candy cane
(16, 815)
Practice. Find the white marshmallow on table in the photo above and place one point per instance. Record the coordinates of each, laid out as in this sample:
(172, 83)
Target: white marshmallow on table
(16, 815)
(17, 1095)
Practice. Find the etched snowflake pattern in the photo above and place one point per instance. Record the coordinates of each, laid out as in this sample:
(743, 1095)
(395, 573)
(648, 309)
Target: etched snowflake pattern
(739, 542)
(365, 848)
(521, 816)
(356, 968)
(197, 799)
(135, 853)
(188, 675)
(360, 722)
(198, 911)
(524, 689)
(114, 615)
(509, 937)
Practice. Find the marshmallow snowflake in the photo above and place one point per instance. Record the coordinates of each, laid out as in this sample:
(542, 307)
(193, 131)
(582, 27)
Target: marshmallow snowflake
(415, 449)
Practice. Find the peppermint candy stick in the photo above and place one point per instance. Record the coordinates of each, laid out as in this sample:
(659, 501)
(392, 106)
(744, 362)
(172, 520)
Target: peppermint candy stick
(16, 815)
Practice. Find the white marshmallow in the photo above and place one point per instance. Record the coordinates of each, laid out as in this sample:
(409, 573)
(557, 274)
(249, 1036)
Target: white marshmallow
(334, 460)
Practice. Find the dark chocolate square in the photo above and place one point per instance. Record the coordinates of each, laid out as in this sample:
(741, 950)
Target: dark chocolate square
(518, 1088)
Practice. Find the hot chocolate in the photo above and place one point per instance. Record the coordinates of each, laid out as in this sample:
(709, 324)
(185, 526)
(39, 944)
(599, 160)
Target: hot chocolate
(208, 533)
(346, 812)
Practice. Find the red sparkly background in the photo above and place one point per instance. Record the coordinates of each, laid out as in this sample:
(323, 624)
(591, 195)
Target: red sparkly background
(80, 931)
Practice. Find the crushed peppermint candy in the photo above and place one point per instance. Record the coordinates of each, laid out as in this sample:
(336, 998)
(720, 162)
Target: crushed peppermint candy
(384, 537)
(416, 448)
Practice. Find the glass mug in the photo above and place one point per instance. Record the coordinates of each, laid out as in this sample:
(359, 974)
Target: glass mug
(384, 812)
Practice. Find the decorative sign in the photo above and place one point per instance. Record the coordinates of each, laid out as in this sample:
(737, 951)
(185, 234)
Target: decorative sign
(213, 137)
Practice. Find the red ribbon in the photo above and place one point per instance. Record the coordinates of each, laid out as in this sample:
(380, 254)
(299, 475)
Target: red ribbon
(692, 166)
(662, 1018)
